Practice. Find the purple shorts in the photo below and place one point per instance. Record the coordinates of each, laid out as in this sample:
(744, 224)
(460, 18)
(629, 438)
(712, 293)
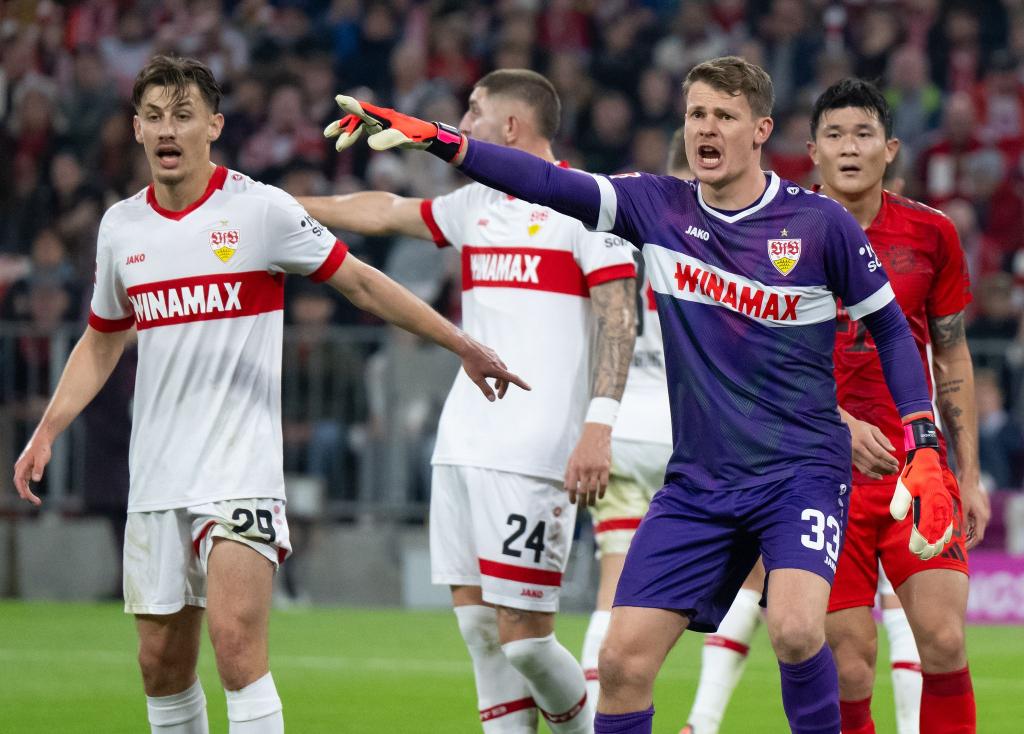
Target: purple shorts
(695, 547)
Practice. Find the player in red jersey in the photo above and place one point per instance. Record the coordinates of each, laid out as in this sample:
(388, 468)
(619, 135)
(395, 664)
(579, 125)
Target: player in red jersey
(851, 131)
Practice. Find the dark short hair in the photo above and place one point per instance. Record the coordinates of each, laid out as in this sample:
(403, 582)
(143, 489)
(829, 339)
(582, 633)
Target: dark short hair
(852, 92)
(177, 73)
(735, 76)
(532, 88)
(677, 151)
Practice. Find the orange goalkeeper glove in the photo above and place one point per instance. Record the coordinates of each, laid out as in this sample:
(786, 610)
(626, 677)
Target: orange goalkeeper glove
(922, 486)
(391, 129)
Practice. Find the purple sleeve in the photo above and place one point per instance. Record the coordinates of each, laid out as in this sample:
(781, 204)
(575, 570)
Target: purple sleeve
(901, 362)
(533, 179)
(854, 273)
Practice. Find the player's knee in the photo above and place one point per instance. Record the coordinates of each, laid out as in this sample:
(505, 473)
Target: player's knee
(856, 674)
(941, 643)
(795, 640)
(530, 655)
(619, 669)
(232, 646)
(478, 626)
(165, 669)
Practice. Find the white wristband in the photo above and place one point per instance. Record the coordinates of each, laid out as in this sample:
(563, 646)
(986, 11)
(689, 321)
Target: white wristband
(602, 410)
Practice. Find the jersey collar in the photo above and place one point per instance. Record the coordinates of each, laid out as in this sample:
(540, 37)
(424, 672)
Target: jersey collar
(769, 193)
(220, 174)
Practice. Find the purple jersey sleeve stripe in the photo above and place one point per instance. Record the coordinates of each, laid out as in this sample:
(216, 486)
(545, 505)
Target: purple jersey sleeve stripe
(609, 204)
(533, 179)
(872, 303)
(900, 360)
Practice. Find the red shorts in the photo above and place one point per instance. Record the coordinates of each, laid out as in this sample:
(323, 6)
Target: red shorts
(872, 534)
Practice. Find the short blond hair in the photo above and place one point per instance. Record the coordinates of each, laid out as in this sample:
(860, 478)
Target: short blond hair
(735, 76)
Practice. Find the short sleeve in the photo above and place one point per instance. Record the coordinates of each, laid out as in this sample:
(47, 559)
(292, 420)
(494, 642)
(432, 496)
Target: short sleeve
(854, 272)
(297, 243)
(446, 216)
(109, 310)
(603, 257)
(629, 203)
(951, 290)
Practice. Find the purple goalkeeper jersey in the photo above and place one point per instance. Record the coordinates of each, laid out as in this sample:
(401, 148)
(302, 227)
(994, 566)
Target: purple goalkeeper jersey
(746, 301)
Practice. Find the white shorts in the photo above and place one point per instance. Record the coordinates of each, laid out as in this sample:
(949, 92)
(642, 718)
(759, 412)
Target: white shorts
(507, 533)
(638, 471)
(884, 585)
(165, 552)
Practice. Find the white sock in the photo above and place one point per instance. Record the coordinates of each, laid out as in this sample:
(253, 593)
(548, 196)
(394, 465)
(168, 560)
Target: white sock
(255, 709)
(596, 631)
(906, 670)
(722, 662)
(506, 706)
(556, 681)
(179, 713)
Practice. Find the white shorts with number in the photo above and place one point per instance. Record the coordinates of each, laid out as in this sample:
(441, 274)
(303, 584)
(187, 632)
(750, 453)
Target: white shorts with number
(509, 534)
(638, 471)
(165, 552)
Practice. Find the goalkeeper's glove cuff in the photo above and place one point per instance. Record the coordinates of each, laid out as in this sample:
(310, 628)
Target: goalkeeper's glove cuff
(920, 433)
(447, 143)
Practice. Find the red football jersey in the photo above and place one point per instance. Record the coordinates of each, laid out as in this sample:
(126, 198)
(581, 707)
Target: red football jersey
(920, 251)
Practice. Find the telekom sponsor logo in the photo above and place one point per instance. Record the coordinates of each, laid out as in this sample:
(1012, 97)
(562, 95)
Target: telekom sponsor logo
(687, 278)
(204, 298)
(997, 588)
(531, 268)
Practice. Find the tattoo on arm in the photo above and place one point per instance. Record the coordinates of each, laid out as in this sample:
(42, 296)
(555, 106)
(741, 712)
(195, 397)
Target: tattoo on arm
(949, 410)
(947, 331)
(614, 305)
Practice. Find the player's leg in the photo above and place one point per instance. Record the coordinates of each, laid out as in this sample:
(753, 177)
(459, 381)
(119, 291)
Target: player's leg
(800, 524)
(724, 656)
(523, 531)
(682, 570)
(850, 626)
(903, 659)
(504, 700)
(934, 596)
(610, 570)
(240, 544)
(167, 603)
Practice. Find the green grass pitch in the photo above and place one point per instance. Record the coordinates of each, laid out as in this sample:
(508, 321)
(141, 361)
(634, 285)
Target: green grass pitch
(70, 668)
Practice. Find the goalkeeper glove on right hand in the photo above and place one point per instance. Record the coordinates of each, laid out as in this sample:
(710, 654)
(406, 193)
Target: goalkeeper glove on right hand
(391, 129)
(921, 485)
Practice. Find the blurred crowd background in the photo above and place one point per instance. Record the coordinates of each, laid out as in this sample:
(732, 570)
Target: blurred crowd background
(360, 400)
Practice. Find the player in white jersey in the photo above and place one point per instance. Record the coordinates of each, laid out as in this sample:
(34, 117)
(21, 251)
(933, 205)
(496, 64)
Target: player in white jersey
(196, 262)
(534, 284)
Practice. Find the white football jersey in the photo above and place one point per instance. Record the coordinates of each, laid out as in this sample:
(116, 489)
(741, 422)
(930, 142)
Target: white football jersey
(644, 412)
(205, 289)
(526, 278)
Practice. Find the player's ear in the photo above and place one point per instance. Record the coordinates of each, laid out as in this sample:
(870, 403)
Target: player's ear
(812, 151)
(512, 130)
(216, 126)
(892, 148)
(137, 127)
(763, 131)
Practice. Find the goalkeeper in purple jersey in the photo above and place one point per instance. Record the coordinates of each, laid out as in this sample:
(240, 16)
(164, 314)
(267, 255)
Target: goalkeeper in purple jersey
(745, 269)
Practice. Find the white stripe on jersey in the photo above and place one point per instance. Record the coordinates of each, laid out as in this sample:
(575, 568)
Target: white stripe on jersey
(609, 204)
(765, 200)
(872, 303)
(687, 278)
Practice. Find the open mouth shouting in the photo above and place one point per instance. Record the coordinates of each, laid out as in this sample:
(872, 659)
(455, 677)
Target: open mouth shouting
(169, 155)
(709, 155)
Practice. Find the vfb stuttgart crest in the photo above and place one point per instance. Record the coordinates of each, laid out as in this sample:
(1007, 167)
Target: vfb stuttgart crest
(224, 242)
(784, 253)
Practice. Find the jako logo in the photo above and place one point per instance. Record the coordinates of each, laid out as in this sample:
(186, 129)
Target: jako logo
(137, 258)
(700, 234)
(532, 593)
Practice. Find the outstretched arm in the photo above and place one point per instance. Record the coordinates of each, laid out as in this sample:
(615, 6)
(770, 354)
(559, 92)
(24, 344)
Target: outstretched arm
(88, 368)
(614, 307)
(372, 291)
(373, 213)
(954, 388)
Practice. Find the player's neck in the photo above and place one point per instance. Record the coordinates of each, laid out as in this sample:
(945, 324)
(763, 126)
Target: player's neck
(178, 196)
(737, 194)
(539, 148)
(864, 206)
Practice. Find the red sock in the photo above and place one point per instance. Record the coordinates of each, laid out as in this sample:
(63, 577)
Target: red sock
(857, 716)
(947, 703)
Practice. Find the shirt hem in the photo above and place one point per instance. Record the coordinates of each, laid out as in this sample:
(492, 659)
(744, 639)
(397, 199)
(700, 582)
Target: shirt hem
(206, 500)
(550, 474)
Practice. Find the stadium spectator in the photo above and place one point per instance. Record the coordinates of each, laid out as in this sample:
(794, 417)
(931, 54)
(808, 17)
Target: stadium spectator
(287, 135)
(1002, 440)
(916, 100)
(941, 173)
(87, 101)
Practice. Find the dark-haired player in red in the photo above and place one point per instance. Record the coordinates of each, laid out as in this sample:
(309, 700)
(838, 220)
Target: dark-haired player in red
(852, 143)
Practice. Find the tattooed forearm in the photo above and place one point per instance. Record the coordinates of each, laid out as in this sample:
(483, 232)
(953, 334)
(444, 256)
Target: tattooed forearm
(614, 305)
(954, 394)
(947, 331)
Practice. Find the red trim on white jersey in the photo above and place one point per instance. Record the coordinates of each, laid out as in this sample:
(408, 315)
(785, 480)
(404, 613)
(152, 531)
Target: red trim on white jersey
(108, 326)
(591, 674)
(331, 264)
(906, 665)
(530, 268)
(719, 641)
(206, 297)
(216, 182)
(202, 534)
(503, 709)
(427, 213)
(521, 574)
(617, 523)
(610, 273)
